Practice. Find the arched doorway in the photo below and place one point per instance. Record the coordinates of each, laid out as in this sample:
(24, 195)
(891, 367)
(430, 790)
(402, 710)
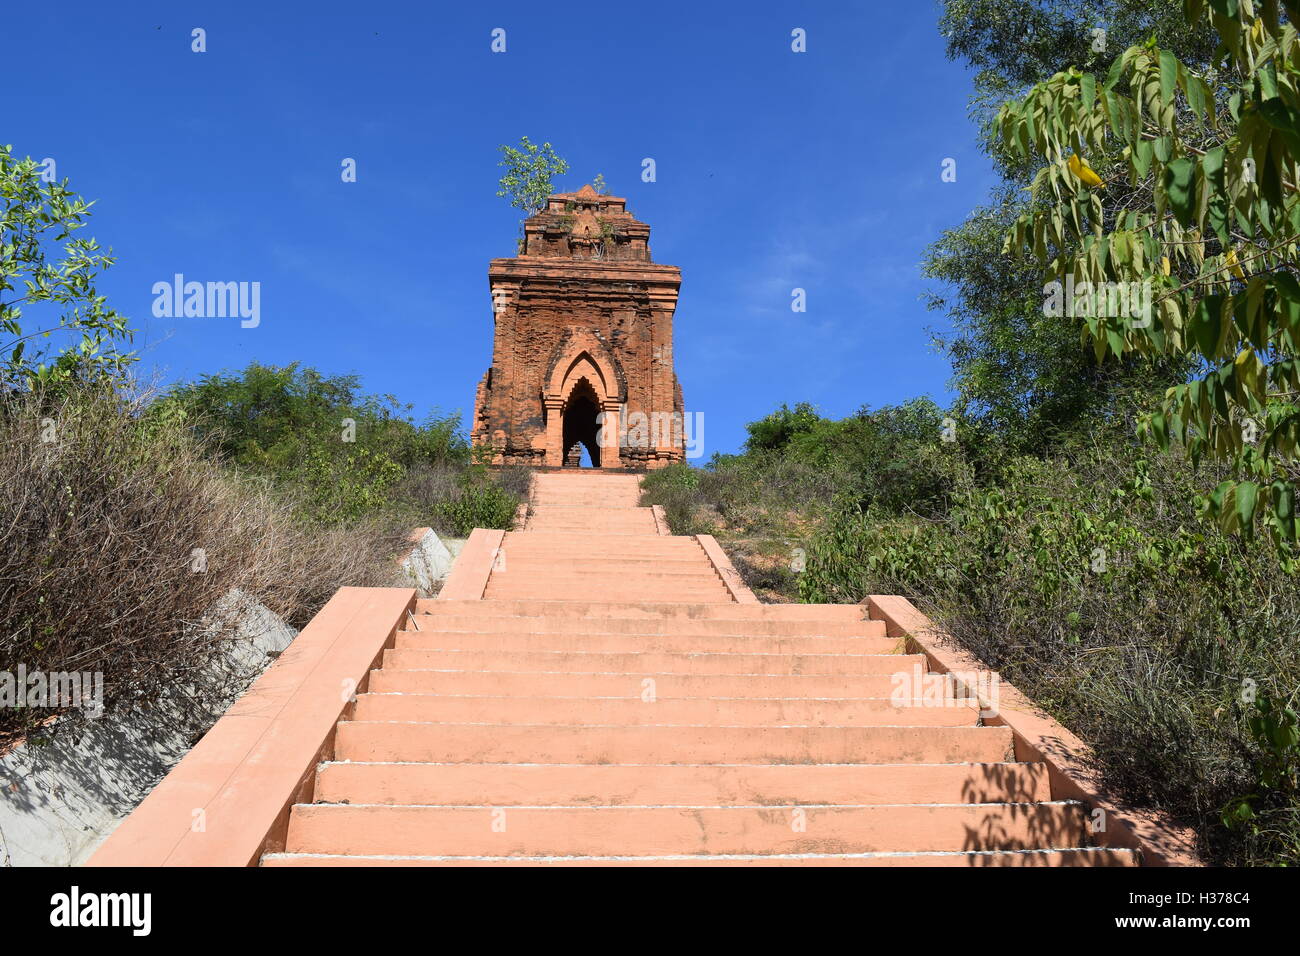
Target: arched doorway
(580, 424)
(584, 385)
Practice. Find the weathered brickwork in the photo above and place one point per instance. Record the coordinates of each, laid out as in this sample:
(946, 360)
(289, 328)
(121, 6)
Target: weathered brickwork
(583, 343)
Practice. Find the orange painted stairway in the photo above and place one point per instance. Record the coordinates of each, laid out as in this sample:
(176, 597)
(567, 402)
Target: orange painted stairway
(610, 702)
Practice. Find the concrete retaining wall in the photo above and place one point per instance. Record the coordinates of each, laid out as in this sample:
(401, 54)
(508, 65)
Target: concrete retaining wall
(59, 800)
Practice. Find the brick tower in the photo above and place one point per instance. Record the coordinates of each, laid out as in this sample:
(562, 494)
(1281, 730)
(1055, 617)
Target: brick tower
(582, 354)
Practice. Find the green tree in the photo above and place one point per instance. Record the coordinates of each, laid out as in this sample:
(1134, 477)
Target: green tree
(529, 171)
(1207, 160)
(345, 452)
(274, 419)
(778, 429)
(43, 266)
(1025, 379)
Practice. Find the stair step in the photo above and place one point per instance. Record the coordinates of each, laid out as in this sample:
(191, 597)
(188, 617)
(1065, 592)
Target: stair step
(597, 574)
(434, 638)
(686, 629)
(515, 743)
(389, 680)
(682, 785)
(646, 551)
(576, 590)
(597, 568)
(565, 542)
(1079, 856)
(656, 831)
(579, 711)
(641, 609)
(596, 504)
(653, 662)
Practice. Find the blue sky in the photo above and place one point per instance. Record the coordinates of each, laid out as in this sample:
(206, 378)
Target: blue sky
(775, 170)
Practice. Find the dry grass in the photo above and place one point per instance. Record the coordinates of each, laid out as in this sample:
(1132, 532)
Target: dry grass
(118, 537)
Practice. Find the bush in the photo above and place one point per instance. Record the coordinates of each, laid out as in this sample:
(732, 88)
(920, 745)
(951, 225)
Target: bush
(478, 503)
(1090, 583)
(120, 534)
(676, 489)
(341, 454)
(347, 486)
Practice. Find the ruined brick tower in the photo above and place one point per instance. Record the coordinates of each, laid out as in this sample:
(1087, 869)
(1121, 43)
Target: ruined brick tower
(582, 355)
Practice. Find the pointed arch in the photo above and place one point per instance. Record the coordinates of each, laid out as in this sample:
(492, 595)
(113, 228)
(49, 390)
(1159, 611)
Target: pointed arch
(582, 353)
(582, 394)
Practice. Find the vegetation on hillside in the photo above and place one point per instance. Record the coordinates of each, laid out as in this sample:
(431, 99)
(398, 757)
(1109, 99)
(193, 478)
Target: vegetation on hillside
(121, 535)
(131, 519)
(346, 455)
(1082, 518)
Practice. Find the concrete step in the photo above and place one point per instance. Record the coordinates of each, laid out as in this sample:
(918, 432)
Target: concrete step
(574, 590)
(589, 608)
(685, 628)
(595, 515)
(626, 712)
(451, 784)
(661, 686)
(601, 573)
(627, 530)
(503, 587)
(595, 504)
(516, 743)
(518, 552)
(543, 540)
(647, 551)
(685, 587)
(432, 638)
(514, 552)
(583, 566)
(651, 662)
(1079, 856)
(656, 831)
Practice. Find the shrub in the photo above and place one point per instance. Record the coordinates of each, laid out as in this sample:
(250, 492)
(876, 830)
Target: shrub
(348, 485)
(479, 503)
(119, 536)
(1090, 582)
(341, 454)
(676, 489)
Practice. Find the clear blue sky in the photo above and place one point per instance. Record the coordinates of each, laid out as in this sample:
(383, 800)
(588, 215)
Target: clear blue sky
(776, 170)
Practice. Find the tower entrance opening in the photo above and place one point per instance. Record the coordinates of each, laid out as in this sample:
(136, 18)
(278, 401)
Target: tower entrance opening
(580, 425)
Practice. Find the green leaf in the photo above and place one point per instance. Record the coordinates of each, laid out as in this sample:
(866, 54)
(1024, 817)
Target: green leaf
(1168, 76)
(1246, 496)
(1179, 186)
(1115, 72)
(1284, 509)
(1207, 325)
(1088, 90)
(1142, 157)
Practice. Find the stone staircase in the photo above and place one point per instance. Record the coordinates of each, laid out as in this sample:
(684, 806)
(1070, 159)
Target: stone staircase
(586, 538)
(610, 702)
